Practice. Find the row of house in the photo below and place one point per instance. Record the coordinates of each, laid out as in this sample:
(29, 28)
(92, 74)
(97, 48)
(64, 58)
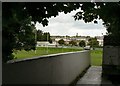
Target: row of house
(67, 39)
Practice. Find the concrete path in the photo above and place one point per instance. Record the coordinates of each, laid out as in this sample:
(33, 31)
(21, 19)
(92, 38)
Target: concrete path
(93, 76)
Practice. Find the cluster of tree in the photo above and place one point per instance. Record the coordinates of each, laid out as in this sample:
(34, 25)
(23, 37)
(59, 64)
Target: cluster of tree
(73, 43)
(93, 42)
(41, 36)
(18, 31)
(17, 17)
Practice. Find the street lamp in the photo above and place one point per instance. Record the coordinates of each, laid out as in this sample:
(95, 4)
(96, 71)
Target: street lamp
(102, 40)
(47, 43)
(35, 31)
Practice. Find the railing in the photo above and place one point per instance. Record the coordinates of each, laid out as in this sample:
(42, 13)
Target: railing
(50, 69)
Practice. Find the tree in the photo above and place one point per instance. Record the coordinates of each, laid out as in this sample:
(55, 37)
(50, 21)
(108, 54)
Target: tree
(61, 42)
(93, 11)
(43, 36)
(93, 42)
(16, 17)
(82, 43)
(39, 35)
(17, 35)
(46, 37)
(73, 43)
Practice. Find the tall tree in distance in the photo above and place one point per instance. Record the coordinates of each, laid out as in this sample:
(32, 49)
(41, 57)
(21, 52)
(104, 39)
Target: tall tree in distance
(82, 43)
(39, 35)
(46, 37)
(93, 42)
(43, 36)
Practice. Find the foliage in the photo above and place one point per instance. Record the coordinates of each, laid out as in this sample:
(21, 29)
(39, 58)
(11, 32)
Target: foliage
(93, 42)
(111, 40)
(61, 42)
(43, 36)
(17, 17)
(39, 35)
(73, 43)
(108, 12)
(17, 34)
(82, 43)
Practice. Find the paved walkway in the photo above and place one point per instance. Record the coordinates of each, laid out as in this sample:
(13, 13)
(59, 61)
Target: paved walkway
(93, 76)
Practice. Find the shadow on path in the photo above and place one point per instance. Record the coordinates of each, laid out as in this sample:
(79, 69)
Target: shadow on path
(93, 77)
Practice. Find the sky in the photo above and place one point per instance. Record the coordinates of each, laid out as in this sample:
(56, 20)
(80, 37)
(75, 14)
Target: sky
(64, 24)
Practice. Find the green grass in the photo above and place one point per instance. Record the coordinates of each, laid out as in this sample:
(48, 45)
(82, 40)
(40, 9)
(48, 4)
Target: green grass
(96, 57)
(42, 51)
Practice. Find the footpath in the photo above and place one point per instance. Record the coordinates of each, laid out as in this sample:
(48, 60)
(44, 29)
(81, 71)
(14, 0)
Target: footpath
(93, 76)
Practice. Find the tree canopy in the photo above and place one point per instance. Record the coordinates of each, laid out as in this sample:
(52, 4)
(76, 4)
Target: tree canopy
(19, 19)
(73, 43)
(43, 36)
(61, 42)
(108, 12)
(82, 43)
(93, 42)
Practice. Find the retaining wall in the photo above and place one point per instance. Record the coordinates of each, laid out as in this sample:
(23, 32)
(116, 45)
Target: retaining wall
(50, 69)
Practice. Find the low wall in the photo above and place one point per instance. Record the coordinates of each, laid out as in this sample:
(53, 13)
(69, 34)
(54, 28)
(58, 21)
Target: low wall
(50, 69)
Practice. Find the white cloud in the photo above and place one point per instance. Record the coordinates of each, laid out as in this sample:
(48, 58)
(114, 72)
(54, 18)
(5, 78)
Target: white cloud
(64, 24)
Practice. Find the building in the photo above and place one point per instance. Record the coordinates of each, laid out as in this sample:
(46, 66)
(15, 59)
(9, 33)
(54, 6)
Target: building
(42, 43)
(67, 39)
(100, 40)
(46, 44)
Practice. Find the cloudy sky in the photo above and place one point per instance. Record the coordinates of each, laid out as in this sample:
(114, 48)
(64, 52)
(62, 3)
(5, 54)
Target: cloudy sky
(64, 24)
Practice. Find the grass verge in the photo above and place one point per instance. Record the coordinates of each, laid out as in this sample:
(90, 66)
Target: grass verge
(96, 57)
(42, 51)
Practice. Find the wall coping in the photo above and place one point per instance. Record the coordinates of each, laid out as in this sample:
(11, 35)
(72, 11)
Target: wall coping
(43, 56)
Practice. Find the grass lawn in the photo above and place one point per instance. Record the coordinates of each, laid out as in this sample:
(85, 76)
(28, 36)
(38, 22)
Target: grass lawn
(43, 51)
(96, 57)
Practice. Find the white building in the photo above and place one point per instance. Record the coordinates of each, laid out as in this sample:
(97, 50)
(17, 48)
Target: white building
(42, 43)
(46, 44)
(100, 40)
